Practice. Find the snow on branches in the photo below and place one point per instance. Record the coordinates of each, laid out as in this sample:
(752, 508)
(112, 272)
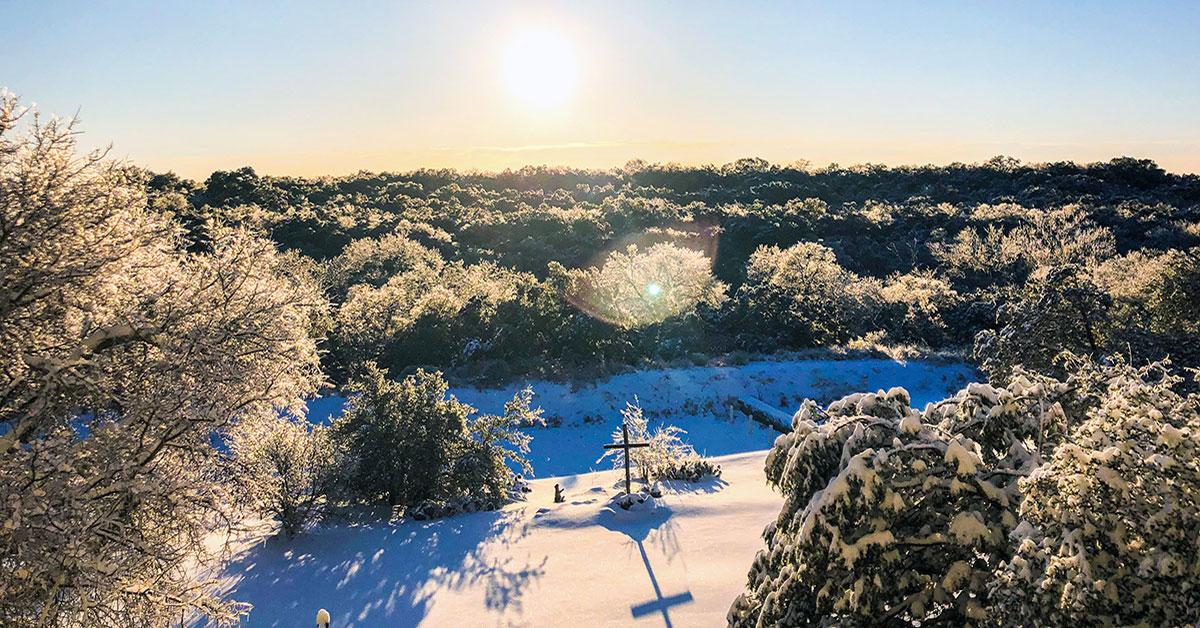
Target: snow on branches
(1110, 523)
(666, 456)
(123, 355)
(1044, 498)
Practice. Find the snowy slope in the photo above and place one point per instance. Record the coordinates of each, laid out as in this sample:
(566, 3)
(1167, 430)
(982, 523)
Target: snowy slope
(532, 564)
(579, 563)
(697, 400)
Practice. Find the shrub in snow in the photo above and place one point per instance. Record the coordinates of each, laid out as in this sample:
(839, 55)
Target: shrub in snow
(465, 504)
(408, 441)
(122, 353)
(439, 508)
(691, 469)
(898, 515)
(644, 499)
(802, 296)
(400, 436)
(1110, 528)
(285, 468)
(666, 458)
(491, 445)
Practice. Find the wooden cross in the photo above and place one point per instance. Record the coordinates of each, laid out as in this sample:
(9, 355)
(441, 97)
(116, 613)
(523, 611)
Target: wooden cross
(626, 445)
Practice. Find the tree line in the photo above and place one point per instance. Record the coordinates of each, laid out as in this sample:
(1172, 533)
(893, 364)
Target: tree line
(543, 271)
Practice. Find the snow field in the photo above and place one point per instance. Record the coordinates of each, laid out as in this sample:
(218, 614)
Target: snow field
(534, 563)
(695, 399)
(679, 561)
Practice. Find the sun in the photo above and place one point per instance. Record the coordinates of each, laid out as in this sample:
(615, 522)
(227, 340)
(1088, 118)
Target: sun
(539, 68)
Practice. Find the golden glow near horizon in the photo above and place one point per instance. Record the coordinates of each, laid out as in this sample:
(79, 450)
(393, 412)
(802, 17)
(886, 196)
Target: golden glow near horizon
(539, 68)
(474, 85)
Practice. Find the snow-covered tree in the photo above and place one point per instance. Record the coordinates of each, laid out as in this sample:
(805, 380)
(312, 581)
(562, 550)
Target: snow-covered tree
(494, 441)
(1059, 310)
(888, 515)
(434, 312)
(1110, 525)
(636, 288)
(980, 257)
(373, 261)
(1042, 239)
(1154, 304)
(1060, 237)
(801, 294)
(122, 355)
(915, 304)
(409, 441)
(285, 468)
(401, 436)
(1041, 501)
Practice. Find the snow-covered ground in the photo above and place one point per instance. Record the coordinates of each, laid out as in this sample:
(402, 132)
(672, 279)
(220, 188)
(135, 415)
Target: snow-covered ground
(535, 563)
(695, 399)
(582, 562)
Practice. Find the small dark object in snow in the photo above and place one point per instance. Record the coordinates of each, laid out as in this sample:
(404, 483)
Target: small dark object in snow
(558, 494)
(629, 500)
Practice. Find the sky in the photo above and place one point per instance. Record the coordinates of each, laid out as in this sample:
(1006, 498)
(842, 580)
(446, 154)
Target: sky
(312, 88)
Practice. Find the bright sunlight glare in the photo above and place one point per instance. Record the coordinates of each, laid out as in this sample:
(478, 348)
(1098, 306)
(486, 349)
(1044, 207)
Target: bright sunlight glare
(539, 68)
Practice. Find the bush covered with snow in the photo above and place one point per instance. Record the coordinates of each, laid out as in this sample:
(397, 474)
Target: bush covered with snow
(800, 294)
(285, 468)
(1141, 305)
(666, 457)
(639, 501)
(1068, 501)
(638, 288)
(1111, 522)
(1060, 310)
(409, 442)
(465, 504)
(462, 504)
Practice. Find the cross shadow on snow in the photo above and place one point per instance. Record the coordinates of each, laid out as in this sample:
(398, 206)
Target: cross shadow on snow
(653, 526)
(660, 604)
(382, 574)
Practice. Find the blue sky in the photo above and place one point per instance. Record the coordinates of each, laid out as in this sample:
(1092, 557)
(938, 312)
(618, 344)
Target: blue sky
(324, 88)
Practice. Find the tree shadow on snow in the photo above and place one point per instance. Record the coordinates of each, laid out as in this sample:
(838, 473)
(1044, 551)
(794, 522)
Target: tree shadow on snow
(706, 485)
(382, 574)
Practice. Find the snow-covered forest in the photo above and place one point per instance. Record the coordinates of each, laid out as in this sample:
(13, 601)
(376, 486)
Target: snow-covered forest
(960, 394)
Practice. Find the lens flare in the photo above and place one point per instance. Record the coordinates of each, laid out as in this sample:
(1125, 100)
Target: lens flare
(648, 278)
